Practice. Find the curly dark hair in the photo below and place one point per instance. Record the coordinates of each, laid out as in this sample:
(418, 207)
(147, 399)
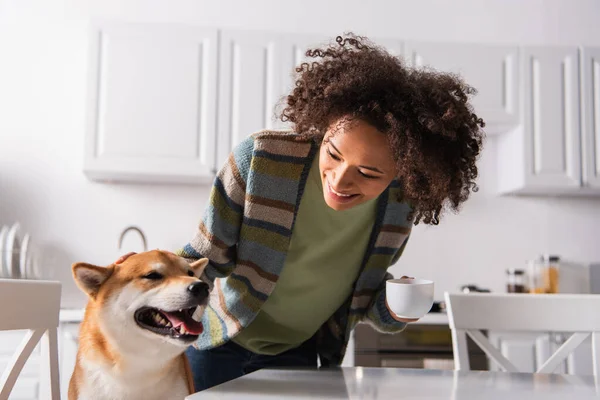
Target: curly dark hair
(434, 134)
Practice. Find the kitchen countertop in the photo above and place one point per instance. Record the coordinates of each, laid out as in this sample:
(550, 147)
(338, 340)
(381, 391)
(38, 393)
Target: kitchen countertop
(396, 383)
(68, 315)
(76, 315)
(433, 319)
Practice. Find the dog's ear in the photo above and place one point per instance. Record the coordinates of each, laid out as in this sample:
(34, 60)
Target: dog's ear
(199, 265)
(90, 277)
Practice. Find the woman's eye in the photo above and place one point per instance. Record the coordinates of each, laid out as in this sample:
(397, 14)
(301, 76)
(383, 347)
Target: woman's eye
(153, 276)
(368, 176)
(332, 155)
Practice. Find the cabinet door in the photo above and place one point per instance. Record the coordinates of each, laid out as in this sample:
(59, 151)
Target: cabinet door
(491, 69)
(519, 349)
(256, 73)
(580, 362)
(591, 116)
(528, 351)
(68, 343)
(151, 112)
(294, 49)
(552, 148)
(249, 86)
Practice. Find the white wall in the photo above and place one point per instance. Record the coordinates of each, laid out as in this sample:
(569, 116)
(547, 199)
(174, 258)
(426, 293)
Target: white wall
(42, 91)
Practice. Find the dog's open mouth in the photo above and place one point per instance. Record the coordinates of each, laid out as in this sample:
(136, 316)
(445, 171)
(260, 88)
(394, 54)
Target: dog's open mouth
(176, 324)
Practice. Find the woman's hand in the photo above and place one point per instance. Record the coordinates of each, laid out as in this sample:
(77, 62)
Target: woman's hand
(396, 317)
(125, 257)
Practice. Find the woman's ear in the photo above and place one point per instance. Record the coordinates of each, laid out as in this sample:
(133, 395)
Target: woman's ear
(90, 277)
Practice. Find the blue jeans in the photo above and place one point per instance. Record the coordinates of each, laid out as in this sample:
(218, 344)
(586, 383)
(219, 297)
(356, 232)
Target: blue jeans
(229, 361)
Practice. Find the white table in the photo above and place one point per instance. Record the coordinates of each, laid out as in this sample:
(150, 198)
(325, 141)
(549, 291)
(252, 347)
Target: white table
(395, 383)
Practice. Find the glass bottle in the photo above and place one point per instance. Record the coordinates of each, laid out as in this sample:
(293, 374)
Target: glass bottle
(551, 271)
(543, 274)
(515, 281)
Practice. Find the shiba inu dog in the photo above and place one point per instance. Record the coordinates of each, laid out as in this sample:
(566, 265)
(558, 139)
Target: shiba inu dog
(141, 316)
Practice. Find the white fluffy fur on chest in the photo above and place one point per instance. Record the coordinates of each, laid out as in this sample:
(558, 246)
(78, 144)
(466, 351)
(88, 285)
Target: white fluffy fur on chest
(103, 384)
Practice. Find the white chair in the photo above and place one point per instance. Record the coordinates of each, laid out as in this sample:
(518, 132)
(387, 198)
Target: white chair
(468, 314)
(33, 306)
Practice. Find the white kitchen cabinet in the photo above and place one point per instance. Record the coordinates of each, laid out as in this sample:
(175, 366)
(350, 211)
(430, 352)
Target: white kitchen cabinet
(159, 111)
(294, 49)
(543, 155)
(529, 351)
(590, 88)
(491, 69)
(519, 349)
(151, 113)
(256, 72)
(68, 343)
(249, 86)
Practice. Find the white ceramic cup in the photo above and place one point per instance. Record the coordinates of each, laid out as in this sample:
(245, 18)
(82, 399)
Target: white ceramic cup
(408, 297)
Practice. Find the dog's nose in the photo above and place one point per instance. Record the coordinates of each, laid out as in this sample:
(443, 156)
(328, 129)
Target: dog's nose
(199, 290)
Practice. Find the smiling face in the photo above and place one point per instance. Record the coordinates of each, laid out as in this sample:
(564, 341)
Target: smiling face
(355, 163)
(151, 295)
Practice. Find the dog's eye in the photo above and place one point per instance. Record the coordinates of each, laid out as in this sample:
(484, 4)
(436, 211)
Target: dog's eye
(154, 276)
(191, 273)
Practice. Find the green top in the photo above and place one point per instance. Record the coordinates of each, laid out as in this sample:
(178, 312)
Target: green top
(326, 251)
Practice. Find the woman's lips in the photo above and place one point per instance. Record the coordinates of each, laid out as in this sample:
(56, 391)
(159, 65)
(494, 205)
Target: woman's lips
(341, 197)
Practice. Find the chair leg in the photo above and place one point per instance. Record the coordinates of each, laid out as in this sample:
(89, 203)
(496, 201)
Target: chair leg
(596, 353)
(459, 349)
(15, 365)
(51, 372)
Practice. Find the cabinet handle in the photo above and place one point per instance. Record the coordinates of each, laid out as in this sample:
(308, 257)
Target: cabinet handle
(558, 338)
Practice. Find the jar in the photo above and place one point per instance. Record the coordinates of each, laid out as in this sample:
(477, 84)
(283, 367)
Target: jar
(551, 271)
(543, 274)
(516, 281)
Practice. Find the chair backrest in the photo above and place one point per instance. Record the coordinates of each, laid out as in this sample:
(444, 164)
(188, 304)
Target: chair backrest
(33, 306)
(469, 314)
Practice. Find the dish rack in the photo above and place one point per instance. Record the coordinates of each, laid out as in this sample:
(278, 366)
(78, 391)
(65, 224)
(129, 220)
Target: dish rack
(17, 255)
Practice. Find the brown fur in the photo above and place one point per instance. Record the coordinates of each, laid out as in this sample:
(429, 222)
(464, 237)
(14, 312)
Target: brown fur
(93, 345)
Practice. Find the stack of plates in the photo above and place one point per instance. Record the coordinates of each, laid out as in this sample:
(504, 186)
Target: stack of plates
(16, 255)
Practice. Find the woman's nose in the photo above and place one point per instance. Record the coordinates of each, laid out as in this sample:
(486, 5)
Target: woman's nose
(341, 178)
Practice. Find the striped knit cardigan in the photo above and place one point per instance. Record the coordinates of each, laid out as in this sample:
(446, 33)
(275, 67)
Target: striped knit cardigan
(246, 231)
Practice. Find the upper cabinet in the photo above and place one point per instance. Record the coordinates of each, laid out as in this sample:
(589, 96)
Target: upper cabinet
(256, 73)
(151, 113)
(249, 86)
(491, 69)
(552, 152)
(543, 155)
(590, 87)
(158, 110)
(551, 123)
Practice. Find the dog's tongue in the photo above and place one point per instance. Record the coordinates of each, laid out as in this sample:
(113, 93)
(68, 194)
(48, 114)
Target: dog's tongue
(180, 318)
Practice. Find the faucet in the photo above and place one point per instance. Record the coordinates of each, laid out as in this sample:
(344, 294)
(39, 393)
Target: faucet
(138, 230)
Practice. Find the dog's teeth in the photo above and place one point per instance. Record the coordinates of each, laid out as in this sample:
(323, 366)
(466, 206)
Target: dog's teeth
(168, 324)
(182, 330)
(160, 320)
(180, 310)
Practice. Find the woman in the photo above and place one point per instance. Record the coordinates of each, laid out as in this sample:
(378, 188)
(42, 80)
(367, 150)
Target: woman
(304, 224)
